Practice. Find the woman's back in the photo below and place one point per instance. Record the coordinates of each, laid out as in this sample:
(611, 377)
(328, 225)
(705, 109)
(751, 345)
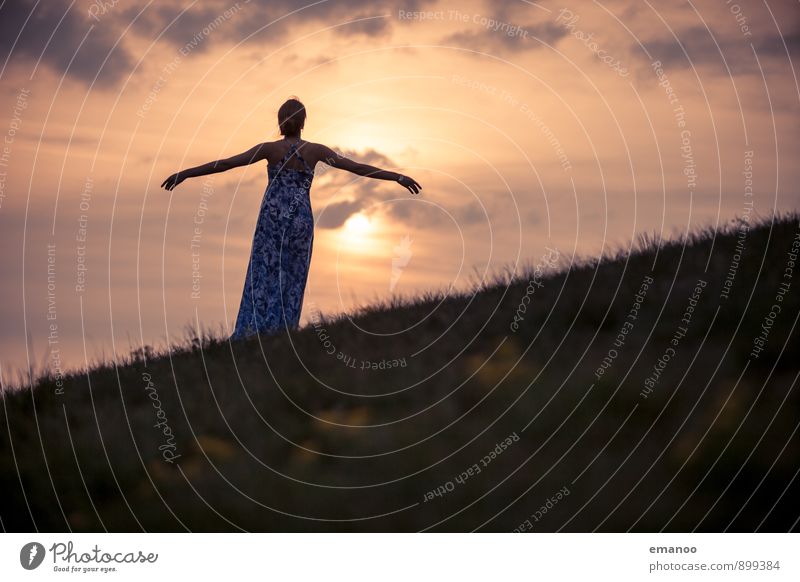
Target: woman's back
(278, 151)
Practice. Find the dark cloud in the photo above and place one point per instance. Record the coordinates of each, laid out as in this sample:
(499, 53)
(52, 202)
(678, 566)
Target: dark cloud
(533, 217)
(471, 213)
(418, 214)
(336, 214)
(361, 193)
(777, 46)
(511, 38)
(263, 22)
(64, 39)
(368, 26)
(377, 196)
(695, 46)
(370, 156)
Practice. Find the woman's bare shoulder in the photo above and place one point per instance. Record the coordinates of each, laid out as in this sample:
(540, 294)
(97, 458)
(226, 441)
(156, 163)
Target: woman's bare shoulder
(314, 152)
(321, 152)
(313, 146)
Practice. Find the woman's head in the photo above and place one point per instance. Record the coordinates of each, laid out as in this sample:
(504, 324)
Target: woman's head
(291, 117)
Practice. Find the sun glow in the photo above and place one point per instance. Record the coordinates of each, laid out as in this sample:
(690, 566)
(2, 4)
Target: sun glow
(357, 233)
(357, 225)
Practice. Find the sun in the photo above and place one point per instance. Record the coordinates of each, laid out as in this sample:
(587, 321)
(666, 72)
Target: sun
(357, 232)
(357, 225)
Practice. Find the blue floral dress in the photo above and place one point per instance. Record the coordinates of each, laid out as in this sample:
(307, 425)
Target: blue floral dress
(281, 254)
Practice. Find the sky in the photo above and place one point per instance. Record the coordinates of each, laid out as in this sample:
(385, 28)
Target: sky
(569, 125)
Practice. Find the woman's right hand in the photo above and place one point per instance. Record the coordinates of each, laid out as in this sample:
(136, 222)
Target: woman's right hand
(409, 183)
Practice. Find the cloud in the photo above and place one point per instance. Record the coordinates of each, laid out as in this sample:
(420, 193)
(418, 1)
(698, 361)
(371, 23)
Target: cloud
(360, 193)
(418, 214)
(68, 40)
(336, 214)
(262, 22)
(367, 26)
(63, 39)
(352, 195)
(773, 45)
(701, 51)
(511, 38)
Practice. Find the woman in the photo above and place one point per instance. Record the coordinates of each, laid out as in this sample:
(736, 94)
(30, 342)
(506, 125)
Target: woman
(284, 236)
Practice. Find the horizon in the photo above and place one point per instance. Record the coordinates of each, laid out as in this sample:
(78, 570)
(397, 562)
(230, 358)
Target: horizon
(521, 134)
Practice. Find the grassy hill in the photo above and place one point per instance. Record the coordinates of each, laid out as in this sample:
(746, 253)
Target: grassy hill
(648, 390)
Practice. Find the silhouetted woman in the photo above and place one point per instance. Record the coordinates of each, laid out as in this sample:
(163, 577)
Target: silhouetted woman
(284, 235)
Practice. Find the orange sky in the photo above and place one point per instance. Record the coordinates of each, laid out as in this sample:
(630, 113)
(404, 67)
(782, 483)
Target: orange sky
(528, 124)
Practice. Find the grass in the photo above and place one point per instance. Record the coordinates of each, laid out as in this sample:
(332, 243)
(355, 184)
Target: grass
(277, 434)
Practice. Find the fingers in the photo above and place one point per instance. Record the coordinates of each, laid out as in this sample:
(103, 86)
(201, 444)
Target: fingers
(169, 183)
(413, 186)
(409, 184)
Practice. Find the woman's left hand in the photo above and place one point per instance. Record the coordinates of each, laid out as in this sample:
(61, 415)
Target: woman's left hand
(172, 181)
(410, 183)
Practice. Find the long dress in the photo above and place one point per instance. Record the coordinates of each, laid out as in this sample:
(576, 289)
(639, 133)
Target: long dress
(278, 269)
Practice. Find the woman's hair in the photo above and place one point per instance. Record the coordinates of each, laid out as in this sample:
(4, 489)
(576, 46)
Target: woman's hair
(291, 117)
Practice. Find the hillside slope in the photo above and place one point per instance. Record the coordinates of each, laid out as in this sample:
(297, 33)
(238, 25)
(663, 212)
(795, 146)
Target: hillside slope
(649, 391)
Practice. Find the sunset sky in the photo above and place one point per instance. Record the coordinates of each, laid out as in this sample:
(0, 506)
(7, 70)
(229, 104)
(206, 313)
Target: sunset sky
(574, 125)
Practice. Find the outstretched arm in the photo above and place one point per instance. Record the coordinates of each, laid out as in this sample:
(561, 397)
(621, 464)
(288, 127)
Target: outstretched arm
(335, 160)
(251, 156)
